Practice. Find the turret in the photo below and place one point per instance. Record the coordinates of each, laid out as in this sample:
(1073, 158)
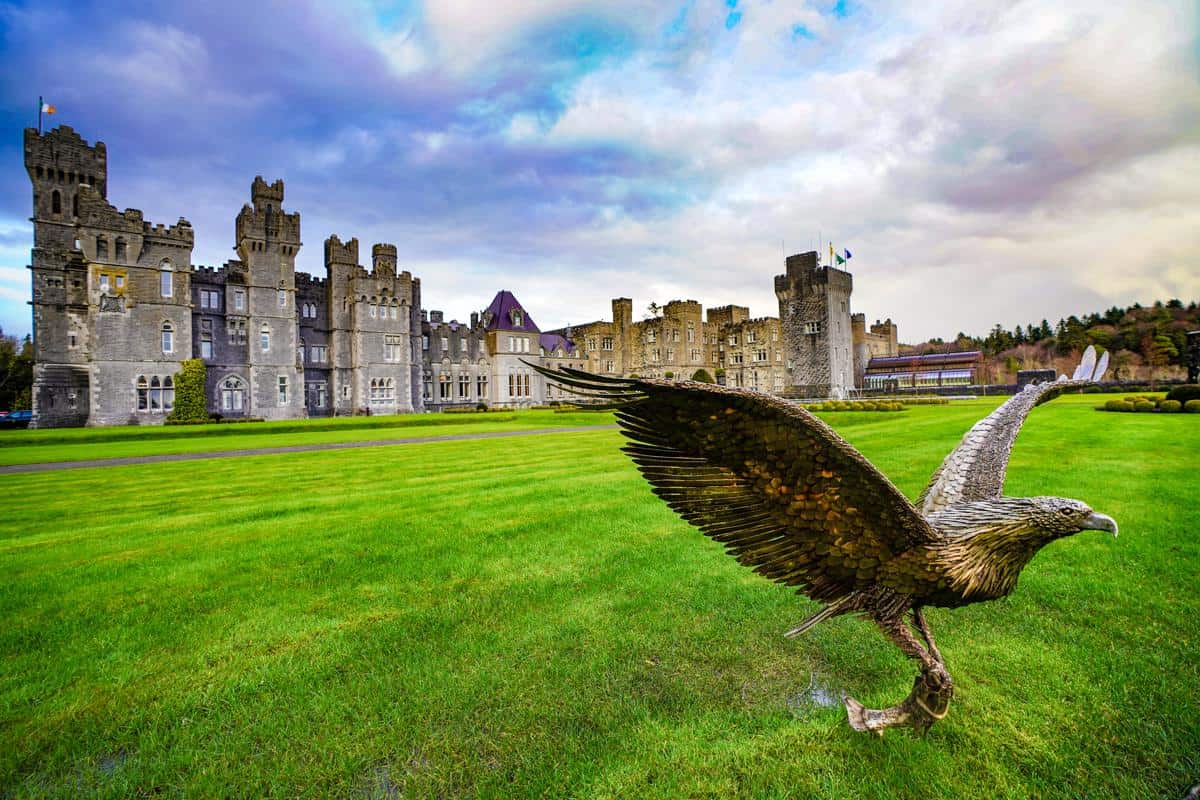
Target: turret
(58, 163)
(383, 260)
(263, 227)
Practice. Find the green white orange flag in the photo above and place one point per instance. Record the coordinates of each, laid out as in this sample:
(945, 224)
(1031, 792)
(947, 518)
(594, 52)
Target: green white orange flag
(47, 108)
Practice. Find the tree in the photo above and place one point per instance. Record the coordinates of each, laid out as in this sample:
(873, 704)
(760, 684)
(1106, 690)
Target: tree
(16, 373)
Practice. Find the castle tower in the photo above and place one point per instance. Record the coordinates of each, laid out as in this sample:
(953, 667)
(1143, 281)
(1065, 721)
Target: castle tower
(58, 164)
(862, 347)
(622, 309)
(267, 242)
(814, 310)
(341, 266)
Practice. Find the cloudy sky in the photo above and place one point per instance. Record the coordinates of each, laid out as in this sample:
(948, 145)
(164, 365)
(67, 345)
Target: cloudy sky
(984, 161)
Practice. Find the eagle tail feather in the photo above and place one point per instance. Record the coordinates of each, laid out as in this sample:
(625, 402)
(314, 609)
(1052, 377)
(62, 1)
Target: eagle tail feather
(842, 606)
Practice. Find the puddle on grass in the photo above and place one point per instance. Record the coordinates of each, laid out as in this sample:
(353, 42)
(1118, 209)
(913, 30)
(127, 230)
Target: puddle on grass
(816, 696)
(108, 764)
(779, 690)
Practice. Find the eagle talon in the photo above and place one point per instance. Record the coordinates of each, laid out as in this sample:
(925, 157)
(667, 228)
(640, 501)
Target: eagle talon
(926, 704)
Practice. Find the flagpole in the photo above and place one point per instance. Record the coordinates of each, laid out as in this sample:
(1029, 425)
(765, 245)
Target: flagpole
(39, 115)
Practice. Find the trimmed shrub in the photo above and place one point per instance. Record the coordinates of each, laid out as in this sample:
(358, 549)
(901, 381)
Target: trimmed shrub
(481, 406)
(1184, 393)
(701, 376)
(190, 403)
(1192, 407)
(1117, 405)
(668, 375)
(1170, 406)
(1143, 406)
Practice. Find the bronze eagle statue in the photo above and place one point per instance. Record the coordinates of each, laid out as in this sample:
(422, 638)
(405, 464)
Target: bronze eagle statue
(796, 503)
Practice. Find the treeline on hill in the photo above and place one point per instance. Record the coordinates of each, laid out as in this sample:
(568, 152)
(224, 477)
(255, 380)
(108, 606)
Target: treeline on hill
(16, 373)
(1145, 342)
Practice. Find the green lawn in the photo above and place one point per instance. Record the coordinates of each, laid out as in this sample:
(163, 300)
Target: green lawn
(522, 618)
(71, 444)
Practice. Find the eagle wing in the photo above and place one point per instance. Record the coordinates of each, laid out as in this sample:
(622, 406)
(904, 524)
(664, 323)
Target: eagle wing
(776, 486)
(975, 470)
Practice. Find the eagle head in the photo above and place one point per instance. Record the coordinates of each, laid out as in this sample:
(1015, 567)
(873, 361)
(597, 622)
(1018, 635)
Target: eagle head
(1059, 516)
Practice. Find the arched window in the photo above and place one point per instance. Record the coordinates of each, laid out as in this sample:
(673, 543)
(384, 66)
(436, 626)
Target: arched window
(155, 394)
(264, 337)
(371, 308)
(143, 393)
(168, 338)
(75, 205)
(300, 352)
(233, 394)
(165, 283)
(55, 202)
(168, 393)
(283, 390)
(120, 250)
(101, 248)
(395, 310)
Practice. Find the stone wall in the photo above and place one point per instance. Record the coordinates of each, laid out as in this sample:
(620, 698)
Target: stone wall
(814, 311)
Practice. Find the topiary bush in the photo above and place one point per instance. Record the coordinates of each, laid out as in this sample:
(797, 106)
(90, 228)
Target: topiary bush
(1143, 406)
(1117, 405)
(1170, 406)
(701, 376)
(1192, 407)
(1184, 393)
(190, 403)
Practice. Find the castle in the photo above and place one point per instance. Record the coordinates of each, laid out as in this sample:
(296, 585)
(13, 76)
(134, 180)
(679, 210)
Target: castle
(118, 306)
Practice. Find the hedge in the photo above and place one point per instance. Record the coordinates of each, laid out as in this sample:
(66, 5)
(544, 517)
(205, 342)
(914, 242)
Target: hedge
(1185, 393)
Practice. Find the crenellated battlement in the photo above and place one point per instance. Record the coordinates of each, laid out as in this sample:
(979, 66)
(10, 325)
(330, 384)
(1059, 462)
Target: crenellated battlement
(180, 232)
(338, 253)
(306, 281)
(383, 260)
(63, 158)
(261, 191)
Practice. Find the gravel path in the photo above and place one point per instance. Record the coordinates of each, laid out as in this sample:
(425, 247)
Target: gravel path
(51, 466)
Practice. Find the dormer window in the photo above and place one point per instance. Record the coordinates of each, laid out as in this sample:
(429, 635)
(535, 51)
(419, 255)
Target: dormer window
(516, 317)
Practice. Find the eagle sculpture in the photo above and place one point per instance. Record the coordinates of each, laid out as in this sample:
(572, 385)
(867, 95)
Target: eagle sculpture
(796, 503)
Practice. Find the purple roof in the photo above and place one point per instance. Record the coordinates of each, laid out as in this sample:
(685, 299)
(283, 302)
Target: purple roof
(932, 358)
(552, 341)
(499, 315)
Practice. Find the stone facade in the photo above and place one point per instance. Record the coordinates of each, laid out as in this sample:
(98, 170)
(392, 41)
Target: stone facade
(681, 340)
(814, 310)
(878, 342)
(118, 306)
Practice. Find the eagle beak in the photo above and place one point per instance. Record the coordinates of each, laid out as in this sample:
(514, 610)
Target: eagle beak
(1101, 522)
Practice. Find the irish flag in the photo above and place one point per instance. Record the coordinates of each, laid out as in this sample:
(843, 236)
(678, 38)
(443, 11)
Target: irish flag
(47, 108)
